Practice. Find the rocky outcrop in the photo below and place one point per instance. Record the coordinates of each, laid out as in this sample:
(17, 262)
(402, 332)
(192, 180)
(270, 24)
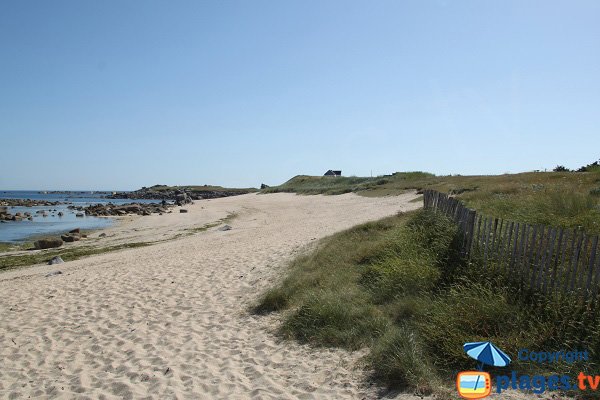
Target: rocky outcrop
(159, 192)
(106, 210)
(28, 202)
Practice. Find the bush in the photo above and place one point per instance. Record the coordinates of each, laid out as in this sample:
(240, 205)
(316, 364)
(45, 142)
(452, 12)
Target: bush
(561, 168)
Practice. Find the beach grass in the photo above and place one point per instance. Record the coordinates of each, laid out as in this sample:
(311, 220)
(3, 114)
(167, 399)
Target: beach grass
(399, 288)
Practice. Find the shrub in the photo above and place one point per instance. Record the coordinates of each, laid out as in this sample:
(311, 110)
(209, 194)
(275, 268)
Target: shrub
(561, 168)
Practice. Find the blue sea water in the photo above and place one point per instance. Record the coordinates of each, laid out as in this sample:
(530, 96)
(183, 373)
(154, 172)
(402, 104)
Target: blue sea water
(15, 231)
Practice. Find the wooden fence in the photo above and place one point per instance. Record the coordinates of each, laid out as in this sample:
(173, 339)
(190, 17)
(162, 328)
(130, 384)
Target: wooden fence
(537, 257)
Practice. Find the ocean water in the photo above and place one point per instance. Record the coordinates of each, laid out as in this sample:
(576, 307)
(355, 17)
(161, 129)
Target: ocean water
(15, 231)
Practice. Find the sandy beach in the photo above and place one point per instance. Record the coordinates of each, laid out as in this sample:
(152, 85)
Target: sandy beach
(171, 320)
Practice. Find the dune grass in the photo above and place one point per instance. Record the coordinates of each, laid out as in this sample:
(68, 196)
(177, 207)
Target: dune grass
(566, 199)
(399, 287)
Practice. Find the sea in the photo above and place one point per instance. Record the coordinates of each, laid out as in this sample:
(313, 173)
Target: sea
(19, 231)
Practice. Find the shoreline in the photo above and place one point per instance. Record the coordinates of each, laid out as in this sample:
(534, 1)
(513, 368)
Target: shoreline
(171, 319)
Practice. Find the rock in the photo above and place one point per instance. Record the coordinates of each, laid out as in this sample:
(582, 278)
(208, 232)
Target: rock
(53, 273)
(47, 243)
(79, 215)
(183, 211)
(56, 260)
(182, 198)
(102, 235)
(225, 228)
(30, 218)
(70, 237)
(60, 214)
(76, 230)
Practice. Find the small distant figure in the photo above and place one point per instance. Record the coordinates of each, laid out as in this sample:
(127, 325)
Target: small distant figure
(332, 172)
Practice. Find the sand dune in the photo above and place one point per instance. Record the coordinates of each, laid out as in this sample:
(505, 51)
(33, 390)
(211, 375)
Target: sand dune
(170, 320)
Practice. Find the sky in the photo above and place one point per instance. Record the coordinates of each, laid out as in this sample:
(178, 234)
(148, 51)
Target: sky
(116, 95)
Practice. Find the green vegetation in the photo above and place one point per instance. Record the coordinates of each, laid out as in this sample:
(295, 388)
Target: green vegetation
(399, 287)
(200, 189)
(75, 253)
(4, 247)
(567, 199)
(382, 185)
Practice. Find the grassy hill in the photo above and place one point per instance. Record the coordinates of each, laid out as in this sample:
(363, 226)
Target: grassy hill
(568, 199)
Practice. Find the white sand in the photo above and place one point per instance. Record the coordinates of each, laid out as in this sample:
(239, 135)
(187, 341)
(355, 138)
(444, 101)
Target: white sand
(170, 320)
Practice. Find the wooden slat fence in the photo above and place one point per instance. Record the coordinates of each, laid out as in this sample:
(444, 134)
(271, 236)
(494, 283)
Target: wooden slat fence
(536, 257)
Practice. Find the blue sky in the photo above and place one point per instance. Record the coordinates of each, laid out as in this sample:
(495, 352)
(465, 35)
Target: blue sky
(124, 94)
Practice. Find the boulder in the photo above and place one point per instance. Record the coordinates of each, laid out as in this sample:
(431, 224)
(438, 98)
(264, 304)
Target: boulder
(225, 228)
(47, 243)
(102, 235)
(53, 273)
(56, 260)
(182, 198)
(183, 210)
(79, 215)
(76, 230)
(60, 214)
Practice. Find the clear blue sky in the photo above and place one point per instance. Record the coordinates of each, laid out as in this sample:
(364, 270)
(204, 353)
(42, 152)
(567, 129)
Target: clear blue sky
(124, 94)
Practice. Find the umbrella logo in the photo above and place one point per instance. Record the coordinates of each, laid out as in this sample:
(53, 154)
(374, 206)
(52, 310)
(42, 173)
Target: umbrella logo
(478, 384)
